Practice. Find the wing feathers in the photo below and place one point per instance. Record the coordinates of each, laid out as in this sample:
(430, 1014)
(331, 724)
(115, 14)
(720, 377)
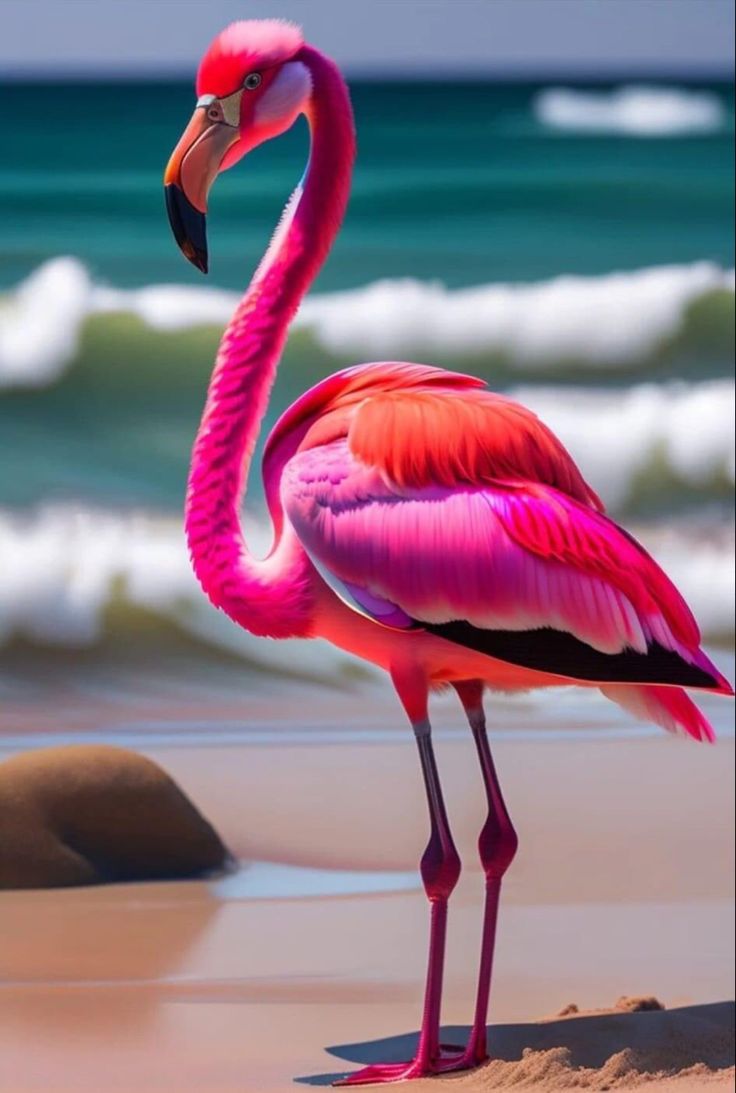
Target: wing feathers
(494, 559)
(422, 438)
(431, 499)
(668, 707)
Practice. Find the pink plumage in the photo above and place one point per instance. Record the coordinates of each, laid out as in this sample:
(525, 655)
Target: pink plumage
(420, 521)
(245, 46)
(517, 543)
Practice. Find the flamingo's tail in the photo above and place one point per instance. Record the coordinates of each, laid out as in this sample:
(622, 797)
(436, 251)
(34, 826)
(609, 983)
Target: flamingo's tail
(669, 707)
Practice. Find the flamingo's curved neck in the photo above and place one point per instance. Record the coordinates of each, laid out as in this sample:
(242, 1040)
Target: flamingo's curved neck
(272, 596)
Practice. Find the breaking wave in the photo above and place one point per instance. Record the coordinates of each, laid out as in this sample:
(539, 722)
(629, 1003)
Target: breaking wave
(70, 577)
(640, 445)
(631, 110)
(618, 321)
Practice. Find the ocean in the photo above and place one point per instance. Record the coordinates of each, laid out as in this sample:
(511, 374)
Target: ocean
(572, 244)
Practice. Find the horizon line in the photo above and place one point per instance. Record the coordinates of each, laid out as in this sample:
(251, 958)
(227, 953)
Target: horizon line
(597, 73)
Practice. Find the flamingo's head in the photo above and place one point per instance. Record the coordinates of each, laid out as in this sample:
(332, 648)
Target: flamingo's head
(250, 86)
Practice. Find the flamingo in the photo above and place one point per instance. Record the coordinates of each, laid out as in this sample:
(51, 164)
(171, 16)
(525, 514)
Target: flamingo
(420, 521)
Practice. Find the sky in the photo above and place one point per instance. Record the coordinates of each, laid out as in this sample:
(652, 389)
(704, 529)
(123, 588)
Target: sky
(160, 37)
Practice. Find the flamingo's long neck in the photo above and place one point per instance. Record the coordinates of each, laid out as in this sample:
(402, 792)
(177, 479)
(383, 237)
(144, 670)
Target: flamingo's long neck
(272, 596)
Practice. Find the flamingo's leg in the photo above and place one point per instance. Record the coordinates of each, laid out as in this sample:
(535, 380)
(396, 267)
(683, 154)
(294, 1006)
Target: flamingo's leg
(497, 846)
(440, 870)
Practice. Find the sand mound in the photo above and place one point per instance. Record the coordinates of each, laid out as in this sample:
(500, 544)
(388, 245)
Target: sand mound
(636, 1042)
(554, 1069)
(93, 814)
(625, 1004)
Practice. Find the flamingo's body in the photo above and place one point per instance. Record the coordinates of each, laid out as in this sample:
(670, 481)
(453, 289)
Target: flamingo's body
(420, 522)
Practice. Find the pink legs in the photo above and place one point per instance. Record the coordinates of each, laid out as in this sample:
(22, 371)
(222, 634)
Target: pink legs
(497, 846)
(440, 869)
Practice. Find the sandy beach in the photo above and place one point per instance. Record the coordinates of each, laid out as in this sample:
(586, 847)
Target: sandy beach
(309, 960)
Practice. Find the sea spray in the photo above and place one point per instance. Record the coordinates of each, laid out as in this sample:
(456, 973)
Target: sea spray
(650, 446)
(626, 321)
(69, 576)
(631, 110)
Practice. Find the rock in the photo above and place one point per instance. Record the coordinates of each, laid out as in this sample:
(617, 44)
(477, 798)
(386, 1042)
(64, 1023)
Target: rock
(568, 1010)
(92, 814)
(638, 1003)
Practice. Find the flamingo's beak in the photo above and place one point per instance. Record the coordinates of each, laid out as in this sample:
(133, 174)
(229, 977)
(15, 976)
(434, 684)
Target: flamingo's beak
(192, 169)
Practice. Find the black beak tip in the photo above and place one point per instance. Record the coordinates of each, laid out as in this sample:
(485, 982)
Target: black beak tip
(198, 258)
(189, 226)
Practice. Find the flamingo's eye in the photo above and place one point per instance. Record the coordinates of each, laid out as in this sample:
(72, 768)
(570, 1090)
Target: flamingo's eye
(252, 81)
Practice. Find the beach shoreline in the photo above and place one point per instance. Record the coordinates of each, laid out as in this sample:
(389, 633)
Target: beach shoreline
(622, 886)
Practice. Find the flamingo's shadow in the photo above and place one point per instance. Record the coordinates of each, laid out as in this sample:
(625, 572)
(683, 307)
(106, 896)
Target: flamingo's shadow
(704, 1034)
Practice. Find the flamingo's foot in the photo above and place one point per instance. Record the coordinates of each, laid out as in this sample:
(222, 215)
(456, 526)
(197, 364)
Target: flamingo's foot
(467, 1059)
(383, 1073)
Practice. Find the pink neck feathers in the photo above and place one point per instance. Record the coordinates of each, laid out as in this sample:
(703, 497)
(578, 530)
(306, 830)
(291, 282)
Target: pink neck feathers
(270, 597)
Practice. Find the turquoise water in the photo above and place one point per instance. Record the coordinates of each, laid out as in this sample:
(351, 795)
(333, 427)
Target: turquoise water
(458, 186)
(458, 182)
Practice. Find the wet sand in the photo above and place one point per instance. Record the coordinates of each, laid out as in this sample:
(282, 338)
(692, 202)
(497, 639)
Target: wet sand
(306, 969)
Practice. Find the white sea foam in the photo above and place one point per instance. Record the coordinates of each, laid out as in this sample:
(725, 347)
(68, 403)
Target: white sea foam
(704, 569)
(41, 321)
(613, 320)
(631, 110)
(680, 431)
(62, 568)
(610, 320)
(169, 307)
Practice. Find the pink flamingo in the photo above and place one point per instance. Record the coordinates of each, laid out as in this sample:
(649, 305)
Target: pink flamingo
(419, 520)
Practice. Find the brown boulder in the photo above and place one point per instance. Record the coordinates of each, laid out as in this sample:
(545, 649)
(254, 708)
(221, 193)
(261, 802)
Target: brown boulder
(92, 814)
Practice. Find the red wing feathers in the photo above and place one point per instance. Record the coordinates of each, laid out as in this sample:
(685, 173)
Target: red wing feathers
(452, 438)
